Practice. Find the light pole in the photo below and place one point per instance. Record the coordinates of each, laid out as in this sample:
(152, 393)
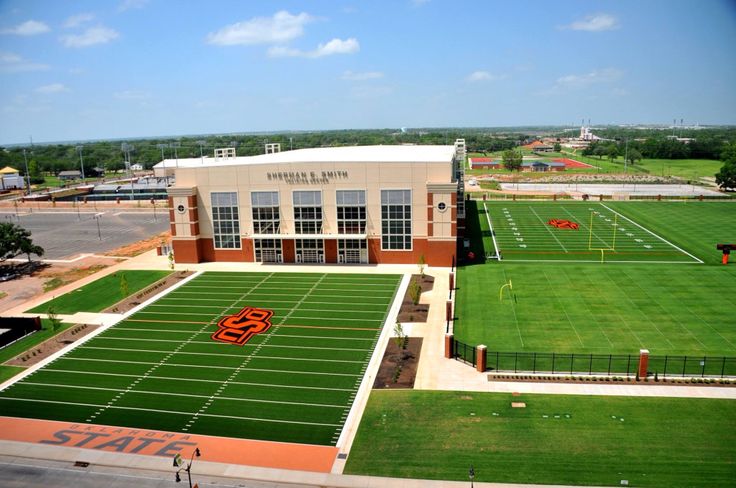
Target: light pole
(162, 146)
(81, 161)
(28, 176)
(178, 462)
(471, 475)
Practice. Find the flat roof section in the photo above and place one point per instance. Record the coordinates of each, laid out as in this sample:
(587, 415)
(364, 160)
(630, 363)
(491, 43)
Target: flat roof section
(351, 154)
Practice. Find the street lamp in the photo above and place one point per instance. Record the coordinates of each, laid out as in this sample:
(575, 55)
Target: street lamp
(97, 219)
(178, 462)
(28, 176)
(471, 475)
(81, 161)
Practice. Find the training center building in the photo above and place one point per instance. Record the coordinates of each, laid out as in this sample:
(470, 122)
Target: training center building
(361, 204)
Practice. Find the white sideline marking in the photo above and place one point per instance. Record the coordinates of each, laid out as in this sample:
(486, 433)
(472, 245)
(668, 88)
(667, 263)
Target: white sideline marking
(652, 233)
(493, 234)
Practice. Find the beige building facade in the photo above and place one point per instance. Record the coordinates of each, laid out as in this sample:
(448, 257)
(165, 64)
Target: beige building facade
(362, 204)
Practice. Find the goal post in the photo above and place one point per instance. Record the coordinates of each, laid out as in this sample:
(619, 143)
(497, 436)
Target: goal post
(604, 238)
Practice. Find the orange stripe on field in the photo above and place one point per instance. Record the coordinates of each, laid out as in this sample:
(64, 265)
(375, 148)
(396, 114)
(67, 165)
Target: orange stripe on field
(279, 455)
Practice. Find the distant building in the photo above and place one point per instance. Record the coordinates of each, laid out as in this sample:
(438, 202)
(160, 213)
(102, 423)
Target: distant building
(69, 175)
(136, 167)
(10, 179)
(539, 146)
(586, 134)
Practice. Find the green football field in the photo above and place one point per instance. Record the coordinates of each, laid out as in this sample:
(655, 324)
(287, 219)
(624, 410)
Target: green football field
(160, 368)
(598, 309)
(554, 439)
(585, 232)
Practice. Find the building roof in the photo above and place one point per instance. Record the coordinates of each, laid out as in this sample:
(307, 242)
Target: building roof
(8, 171)
(73, 172)
(349, 154)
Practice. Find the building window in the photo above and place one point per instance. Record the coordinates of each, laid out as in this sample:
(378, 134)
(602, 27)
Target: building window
(396, 219)
(266, 218)
(225, 221)
(307, 212)
(350, 211)
(268, 250)
(310, 251)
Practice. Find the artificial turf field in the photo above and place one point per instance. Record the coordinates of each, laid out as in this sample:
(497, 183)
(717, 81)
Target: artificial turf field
(160, 369)
(604, 232)
(554, 439)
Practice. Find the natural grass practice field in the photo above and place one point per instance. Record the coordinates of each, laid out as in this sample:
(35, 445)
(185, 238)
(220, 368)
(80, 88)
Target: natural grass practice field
(523, 233)
(160, 369)
(555, 439)
(101, 293)
(600, 309)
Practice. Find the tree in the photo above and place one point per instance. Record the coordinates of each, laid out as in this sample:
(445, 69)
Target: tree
(15, 240)
(421, 263)
(415, 291)
(612, 152)
(557, 147)
(726, 177)
(53, 318)
(633, 156)
(600, 151)
(512, 160)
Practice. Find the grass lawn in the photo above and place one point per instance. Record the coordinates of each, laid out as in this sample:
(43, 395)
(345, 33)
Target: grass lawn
(598, 309)
(161, 369)
(7, 372)
(9, 352)
(556, 439)
(101, 293)
(688, 169)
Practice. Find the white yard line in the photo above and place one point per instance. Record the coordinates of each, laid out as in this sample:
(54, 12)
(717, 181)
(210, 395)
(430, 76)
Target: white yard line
(652, 233)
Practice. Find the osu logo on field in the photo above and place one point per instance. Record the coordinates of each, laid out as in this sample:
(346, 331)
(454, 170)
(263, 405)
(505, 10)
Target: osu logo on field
(240, 327)
(563, 224)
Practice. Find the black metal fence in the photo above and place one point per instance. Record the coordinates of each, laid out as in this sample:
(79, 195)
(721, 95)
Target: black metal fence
(17, 327)
(553, 363)
(597, 364)
(464, 352)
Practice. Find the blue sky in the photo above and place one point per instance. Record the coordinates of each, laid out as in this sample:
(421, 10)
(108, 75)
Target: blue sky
(76, 70)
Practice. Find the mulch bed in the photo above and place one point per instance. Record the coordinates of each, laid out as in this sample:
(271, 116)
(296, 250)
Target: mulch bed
(41, 351)
(389, 376)
(416, 313)
(150, 291)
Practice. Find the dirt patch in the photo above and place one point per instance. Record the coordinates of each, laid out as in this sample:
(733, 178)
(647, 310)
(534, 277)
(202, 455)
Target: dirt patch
(419, 312)
(140, 247)
(41, 351)
(150, 291)
(399, 365)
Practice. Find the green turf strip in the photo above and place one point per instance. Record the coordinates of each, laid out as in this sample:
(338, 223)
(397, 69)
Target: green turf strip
(661, 442)
(101, 293)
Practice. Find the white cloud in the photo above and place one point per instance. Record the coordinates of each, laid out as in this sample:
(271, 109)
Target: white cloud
(52, 88)
(131, 4)
(279, 29)
(132, 95)
(595, 23)
(27, 28)
(477, 76)
(335, 46)
(76, 20)
(366, 75)
(90, 37)
(606, 75)
(12, 63)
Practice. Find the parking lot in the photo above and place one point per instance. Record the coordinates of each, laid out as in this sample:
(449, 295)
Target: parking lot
(65, 234)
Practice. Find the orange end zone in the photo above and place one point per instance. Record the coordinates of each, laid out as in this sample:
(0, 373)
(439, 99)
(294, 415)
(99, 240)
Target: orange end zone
(279, 455)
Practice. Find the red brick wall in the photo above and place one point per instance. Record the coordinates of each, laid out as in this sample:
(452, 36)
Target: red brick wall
(330, 250)
(436, 253)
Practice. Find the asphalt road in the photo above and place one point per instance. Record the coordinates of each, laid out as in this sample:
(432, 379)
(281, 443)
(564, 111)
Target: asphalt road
(65, 234)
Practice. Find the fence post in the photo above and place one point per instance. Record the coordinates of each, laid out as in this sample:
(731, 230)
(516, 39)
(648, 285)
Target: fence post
(481, 358)
(448, 346)
(643, 362)
(448, 310)
(452, 281)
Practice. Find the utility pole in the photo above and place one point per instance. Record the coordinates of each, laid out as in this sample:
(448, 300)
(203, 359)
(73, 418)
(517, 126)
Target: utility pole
(28, 176)
(81, 161)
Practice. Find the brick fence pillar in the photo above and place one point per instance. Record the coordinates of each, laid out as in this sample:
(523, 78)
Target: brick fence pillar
(448, 345)
(480, 358)
(452, 281)
(448, 310)
(643, 362)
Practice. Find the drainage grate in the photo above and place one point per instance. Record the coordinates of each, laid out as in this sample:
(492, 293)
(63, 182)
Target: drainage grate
(81, 464)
